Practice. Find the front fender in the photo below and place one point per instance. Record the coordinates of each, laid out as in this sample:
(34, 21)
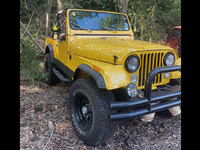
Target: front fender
(96, 76)
(113, 76)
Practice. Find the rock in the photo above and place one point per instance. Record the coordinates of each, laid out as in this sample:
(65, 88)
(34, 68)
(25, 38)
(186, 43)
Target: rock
(175, 110)
(148, 118)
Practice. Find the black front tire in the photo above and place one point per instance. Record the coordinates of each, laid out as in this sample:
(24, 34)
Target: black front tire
(49, 76)
(90, 112)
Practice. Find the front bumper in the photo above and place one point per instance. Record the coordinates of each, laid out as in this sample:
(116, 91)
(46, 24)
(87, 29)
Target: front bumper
(148, 100)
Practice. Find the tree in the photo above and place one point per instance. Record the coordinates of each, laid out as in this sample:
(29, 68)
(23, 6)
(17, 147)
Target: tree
(123, 5)
(59, 4)
(48, 17)
(153, 18)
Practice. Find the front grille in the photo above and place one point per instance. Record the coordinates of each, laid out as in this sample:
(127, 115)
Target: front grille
(149, 61)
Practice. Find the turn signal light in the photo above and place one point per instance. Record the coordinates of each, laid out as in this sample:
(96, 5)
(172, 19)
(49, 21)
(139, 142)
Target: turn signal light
(95, 68)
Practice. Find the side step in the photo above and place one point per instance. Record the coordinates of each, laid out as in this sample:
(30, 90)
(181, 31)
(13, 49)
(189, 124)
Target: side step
(60, 76)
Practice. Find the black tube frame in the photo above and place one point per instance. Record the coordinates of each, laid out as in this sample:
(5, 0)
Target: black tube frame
(148, 100)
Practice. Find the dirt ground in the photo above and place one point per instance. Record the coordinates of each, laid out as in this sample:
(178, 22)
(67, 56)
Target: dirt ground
(45, 124)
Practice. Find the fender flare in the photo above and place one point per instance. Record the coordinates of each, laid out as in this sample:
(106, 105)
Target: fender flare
(49, 49)
(95, 75)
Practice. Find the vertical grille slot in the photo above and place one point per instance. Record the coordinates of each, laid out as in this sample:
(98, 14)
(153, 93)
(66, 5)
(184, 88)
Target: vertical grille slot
(149, 61)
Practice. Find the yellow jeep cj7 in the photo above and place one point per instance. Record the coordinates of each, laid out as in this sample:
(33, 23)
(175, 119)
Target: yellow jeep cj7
(113, 76)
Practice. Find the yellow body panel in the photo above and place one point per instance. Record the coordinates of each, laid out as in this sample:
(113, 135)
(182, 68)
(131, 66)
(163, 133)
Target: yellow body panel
(103, 48)
(115, 76)
(97, 50)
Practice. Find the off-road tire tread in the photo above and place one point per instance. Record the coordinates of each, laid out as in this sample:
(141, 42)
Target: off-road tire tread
(52, 78)
(103, 98)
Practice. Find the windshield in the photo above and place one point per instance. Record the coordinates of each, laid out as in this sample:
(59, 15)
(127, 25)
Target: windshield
(90, 20)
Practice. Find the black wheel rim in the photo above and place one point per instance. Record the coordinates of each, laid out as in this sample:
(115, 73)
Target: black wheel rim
(84, 112)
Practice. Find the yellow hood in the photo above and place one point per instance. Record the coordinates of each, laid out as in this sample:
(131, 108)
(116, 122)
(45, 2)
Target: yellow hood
(103, 49)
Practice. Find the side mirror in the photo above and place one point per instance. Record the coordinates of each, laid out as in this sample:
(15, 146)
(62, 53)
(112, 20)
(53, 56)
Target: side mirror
(133, 28)
(56, 27)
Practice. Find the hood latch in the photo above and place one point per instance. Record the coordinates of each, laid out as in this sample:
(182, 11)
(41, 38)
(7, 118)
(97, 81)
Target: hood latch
(115, 58)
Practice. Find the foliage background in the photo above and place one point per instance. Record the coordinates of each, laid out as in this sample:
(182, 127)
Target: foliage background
(153, 19)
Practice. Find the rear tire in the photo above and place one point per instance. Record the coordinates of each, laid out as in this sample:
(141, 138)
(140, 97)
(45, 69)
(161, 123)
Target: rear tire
(90, 112)
(49, 76)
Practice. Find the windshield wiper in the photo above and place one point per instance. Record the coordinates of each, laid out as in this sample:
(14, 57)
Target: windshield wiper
(80, 27)
(107, 28)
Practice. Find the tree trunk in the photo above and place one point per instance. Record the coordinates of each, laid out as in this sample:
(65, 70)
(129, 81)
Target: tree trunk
(48, 14)
(116, 7)
(47, 23)
(59, 5)
(123, 5)
(141, 37)
(29, 34)
(152, 20)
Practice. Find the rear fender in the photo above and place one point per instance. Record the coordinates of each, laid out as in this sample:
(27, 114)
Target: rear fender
(49, 49)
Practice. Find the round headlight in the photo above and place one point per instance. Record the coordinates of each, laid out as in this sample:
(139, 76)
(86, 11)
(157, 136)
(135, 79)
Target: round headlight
(169, 59)
(132, 63)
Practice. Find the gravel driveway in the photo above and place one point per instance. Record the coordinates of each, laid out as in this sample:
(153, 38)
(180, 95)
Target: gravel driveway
(44, 123)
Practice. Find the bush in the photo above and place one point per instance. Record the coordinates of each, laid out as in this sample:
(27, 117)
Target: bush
(30, 65)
